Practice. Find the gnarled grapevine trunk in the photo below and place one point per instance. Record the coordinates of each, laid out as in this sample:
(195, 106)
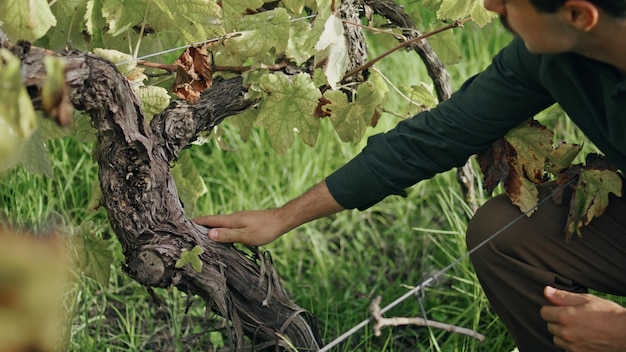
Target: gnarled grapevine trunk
(144, 209)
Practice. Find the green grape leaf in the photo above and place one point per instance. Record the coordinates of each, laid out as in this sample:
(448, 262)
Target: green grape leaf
(454, 9)
(195, 20)
(26, 20)
(562, 157)
(16, 108)
(446, 47)
(299, 48)
(459, 9)
(244, 122)
(95, 23)
(69, 30)
(10, 145)
(287, 108)
(351, 119)
(83, 129)
(263, 35)
(591, 197)
(120, 15)
(18, 120)
(319, 25)
(154, 99)
(192, 20)
(294, 6)
(424, 95)
(129, 69)
(333, 43)
(189, 182)
(35, 157)
(94, 254)
(480, 15)
(235, 9)
(191, 257)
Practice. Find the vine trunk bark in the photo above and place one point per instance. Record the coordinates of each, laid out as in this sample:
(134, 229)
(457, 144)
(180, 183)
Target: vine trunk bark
(145, 211)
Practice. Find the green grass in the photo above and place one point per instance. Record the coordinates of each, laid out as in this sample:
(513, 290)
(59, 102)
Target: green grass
(333, 267)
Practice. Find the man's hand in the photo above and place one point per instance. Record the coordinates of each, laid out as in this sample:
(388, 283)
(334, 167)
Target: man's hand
(253, 227)
(259, 227)
(584, 322)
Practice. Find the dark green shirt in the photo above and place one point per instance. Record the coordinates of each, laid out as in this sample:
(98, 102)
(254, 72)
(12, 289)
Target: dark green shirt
(515, 87)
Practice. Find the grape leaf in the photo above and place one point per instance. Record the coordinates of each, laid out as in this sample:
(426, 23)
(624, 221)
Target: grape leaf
(26, 20)
(244, 122)
(532, 143)
(191, 257)
(446, 47)
(35, 156)
(294, 6)
(263, 36)
(561, 157)
(459, 9)
(193, 73)
(519, 162)
(591, 197)
(299, 46)
(424, 95)
(189, 182)
(94, 255)
(192, 20)
(18, 120)
(95, 23)
(154, 99)
(333, 43)
(235, 9)
(480, 15)
(70, 26)
(499, 163)
(16, 108)
(287, 108)
(351, 119)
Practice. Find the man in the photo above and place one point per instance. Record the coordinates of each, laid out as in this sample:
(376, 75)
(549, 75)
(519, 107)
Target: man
(571, 52)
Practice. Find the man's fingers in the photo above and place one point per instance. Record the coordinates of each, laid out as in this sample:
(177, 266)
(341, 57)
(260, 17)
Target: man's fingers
(212, 221)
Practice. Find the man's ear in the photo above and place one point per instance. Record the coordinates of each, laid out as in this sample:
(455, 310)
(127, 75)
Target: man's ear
(581, 14)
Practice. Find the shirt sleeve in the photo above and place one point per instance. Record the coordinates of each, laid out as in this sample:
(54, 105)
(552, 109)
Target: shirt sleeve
(488, 105)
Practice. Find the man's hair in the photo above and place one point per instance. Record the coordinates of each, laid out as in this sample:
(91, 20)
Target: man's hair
(616, 8)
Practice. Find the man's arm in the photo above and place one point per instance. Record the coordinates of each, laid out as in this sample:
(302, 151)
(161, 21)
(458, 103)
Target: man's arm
(259, 227)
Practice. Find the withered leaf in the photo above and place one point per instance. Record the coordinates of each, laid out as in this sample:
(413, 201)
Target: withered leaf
(495, 164)
(596, 181)
(194, 73)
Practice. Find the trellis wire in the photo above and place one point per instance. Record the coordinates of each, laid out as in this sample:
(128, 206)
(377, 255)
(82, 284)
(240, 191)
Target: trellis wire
(222, 37)
(433, 278)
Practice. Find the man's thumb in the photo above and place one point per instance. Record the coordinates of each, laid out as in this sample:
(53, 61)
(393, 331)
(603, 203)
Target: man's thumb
(562, 297)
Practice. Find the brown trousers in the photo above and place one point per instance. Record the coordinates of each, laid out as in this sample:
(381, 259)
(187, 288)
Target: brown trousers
(515, 266)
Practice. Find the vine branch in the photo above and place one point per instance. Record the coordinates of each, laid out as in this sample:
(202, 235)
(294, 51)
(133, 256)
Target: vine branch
(409, 42)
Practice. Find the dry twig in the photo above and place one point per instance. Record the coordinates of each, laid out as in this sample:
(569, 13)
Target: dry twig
(381, 322)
